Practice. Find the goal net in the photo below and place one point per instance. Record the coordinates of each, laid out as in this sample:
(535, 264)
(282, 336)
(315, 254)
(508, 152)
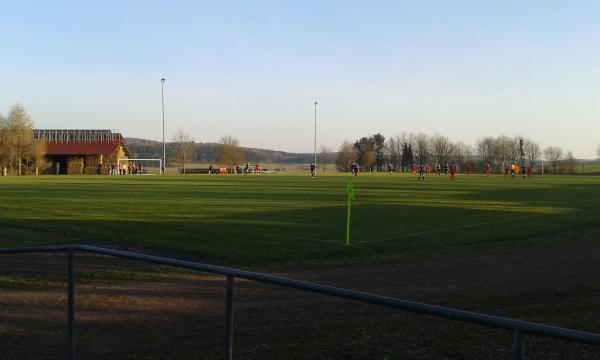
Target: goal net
(139, 167)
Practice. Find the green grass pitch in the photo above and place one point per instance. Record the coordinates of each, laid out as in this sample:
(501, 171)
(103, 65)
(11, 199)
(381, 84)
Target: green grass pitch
(293, 218)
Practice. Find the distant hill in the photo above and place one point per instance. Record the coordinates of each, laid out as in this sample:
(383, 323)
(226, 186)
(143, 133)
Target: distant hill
(209, 152)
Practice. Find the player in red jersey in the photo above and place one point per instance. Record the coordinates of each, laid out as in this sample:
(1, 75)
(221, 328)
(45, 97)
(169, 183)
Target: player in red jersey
(453, 171)
(488, 169)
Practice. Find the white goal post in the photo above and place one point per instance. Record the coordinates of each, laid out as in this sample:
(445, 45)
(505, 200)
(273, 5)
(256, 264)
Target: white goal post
(141, 167)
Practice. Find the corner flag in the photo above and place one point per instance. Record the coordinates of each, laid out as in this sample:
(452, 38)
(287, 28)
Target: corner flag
(350, 190)
(350, 193)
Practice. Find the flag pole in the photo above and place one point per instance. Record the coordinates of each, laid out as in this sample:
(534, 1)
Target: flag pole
(350, 193)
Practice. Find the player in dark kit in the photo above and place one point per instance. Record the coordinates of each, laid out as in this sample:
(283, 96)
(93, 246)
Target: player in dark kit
(313, 170)
(421, 172)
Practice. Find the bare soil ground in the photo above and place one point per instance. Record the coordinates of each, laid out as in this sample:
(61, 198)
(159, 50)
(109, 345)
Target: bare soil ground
(180, 315)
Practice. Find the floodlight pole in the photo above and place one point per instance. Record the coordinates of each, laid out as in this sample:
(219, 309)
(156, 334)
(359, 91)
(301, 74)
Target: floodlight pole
(315, 149)
(162, 91)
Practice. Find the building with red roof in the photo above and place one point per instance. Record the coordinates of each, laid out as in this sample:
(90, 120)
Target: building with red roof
(77, 152)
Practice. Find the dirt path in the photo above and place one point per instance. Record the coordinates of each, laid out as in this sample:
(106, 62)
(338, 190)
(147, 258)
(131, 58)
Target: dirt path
(180, 316)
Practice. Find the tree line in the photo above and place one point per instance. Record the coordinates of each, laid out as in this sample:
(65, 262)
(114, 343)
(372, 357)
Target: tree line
(209, 153)
(375, 153)
(20, 154)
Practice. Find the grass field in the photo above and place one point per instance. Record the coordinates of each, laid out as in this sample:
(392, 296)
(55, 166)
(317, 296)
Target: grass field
(520, 248)
(293, 218)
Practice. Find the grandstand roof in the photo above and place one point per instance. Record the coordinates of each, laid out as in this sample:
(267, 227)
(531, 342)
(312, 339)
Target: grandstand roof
(80, 148)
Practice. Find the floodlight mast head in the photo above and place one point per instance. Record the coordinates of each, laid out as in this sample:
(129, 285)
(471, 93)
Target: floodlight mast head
(162, 80)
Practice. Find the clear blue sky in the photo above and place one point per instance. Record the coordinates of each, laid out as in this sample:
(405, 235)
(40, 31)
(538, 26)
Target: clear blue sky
(251, 69)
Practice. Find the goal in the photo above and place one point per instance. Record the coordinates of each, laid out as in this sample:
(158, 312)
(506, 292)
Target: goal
(140, 166)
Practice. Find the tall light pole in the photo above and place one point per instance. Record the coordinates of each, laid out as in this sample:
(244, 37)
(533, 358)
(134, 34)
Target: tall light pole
(315, 150)
(162, 92)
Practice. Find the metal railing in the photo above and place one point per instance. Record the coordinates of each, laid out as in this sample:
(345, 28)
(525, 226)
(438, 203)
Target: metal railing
(517, 327)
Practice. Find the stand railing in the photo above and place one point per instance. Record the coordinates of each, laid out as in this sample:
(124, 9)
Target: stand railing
(517, 327)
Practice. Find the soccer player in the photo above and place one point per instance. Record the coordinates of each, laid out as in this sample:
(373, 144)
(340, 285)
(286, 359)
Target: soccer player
(452, 171)
(389, 169)
(421, 172)
(354, 169)
(313, 170)
(488, 169)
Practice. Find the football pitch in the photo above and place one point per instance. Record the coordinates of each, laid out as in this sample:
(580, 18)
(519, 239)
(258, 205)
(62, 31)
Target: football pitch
(292, 218)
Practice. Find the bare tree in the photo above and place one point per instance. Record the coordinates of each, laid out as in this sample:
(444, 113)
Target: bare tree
(39, 156)
(346, 156)
(553, 154)
(462, 153)
(441, 147)
(324, 157)
(18, 137)
(4, 144)
(532, 151)
(231, 154)
(468, 149)
(184, 149)
(569, 163)
(486, 149)
(505, 151)
(406, 143)
(35, 161)
(393, 151)
(421, 149)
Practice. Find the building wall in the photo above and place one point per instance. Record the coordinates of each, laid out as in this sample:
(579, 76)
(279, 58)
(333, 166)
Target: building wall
(75, 165)
(84, 164)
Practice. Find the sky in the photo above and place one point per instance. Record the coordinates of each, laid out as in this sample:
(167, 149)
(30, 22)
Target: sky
(252, 69)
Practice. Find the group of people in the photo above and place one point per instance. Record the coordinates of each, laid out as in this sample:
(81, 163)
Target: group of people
(256, 168)
(129, 169)
(514, 169)
(426, 169)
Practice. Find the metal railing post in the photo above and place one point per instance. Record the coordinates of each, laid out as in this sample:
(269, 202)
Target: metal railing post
(517, 345)
(229, 319)
(71, 302)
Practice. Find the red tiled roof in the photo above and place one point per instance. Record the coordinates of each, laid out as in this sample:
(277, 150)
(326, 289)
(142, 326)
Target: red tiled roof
(83, 148)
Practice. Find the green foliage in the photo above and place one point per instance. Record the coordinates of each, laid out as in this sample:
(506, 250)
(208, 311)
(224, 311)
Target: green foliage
(293, 219)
